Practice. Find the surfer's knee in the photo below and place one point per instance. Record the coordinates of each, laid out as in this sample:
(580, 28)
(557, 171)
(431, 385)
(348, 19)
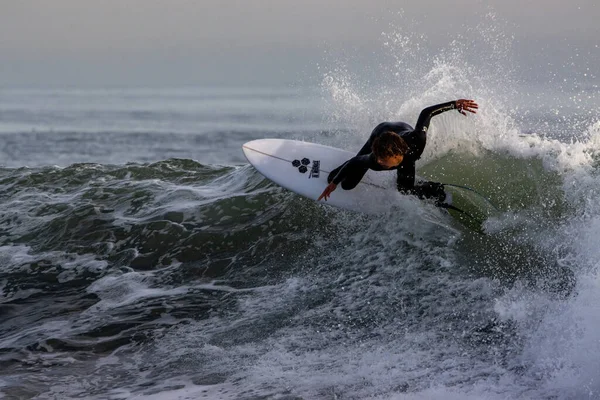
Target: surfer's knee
(430, 190)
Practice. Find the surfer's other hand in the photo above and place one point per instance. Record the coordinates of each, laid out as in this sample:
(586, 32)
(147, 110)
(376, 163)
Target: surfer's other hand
(327, 192)
(463, 105)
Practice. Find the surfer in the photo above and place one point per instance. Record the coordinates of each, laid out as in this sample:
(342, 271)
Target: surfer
(396, 145)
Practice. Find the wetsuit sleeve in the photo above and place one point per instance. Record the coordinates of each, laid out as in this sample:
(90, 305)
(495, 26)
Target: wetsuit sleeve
(430, 112)
(405, 180)
(366, 149)
(356, 165)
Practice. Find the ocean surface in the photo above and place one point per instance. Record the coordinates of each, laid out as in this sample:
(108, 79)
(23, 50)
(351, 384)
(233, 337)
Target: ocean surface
(141, 257)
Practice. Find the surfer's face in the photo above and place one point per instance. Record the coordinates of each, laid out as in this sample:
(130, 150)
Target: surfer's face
(390, 162)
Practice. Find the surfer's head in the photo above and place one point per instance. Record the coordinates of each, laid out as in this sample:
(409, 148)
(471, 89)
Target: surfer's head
(389, 149)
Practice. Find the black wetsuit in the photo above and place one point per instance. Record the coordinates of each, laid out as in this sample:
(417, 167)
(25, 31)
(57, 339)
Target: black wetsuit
(352, 171)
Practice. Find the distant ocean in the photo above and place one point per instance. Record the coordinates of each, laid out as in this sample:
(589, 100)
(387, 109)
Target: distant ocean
(141, 257)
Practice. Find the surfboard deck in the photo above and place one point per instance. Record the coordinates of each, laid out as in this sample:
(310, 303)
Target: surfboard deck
(303, 167)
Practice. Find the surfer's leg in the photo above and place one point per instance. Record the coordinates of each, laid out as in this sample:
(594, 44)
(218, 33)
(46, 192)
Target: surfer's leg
(405, 182)
(405, 176)
(430, 190)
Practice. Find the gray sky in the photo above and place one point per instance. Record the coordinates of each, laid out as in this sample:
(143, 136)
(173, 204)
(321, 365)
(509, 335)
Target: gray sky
(253, 41)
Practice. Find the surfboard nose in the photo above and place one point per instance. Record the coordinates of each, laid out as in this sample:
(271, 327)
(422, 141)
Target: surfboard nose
(254, 149)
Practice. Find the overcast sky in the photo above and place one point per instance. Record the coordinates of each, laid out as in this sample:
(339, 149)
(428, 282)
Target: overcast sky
(253, 41)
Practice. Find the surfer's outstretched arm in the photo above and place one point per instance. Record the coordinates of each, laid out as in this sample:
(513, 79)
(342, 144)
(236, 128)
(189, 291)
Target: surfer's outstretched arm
(461, 105)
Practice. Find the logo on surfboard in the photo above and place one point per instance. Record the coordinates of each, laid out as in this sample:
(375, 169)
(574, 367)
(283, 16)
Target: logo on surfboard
(314, 171)
(302, 166)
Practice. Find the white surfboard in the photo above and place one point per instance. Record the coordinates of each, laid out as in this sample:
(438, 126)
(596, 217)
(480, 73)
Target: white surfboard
(303, 168)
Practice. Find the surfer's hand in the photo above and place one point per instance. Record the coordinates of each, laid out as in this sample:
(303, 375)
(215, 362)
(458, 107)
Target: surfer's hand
(463, 105)
(327, 192)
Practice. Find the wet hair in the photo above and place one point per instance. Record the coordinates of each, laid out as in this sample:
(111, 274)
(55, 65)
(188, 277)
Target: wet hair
(389, 144)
